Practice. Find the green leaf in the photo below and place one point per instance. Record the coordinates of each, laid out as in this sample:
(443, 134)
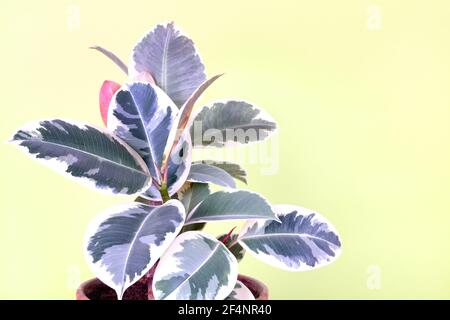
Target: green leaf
(230, 122)
(90, 155)
(126, 241)
(232, 205)
(195, 267)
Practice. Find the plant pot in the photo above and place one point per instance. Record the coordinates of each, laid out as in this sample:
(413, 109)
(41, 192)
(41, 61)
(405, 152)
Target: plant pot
(94, 289)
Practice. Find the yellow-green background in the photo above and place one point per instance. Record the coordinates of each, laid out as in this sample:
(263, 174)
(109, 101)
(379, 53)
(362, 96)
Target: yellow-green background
(364, 131)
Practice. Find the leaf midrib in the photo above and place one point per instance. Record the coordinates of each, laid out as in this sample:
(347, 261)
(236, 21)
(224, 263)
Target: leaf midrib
(198, 268)
(164, 60)
(88, 153)
(133, 241)
(305, 235)
(144, 127)
(228, 215)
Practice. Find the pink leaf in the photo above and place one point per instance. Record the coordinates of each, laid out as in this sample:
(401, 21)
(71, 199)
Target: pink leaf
(107, 91)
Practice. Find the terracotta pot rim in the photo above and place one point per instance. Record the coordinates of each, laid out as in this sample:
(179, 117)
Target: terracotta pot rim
(258, 288)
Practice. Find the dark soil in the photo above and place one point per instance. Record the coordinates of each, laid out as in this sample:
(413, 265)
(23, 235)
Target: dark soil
(100, 291)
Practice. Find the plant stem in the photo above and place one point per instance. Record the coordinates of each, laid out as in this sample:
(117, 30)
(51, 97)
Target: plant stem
(147, 201)
(164, 192)
(232, 244)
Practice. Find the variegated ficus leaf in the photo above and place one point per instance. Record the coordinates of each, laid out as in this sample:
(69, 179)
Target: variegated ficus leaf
(205, 173)
(195, 267)
(126, 241)
(109, 88)
(240, 292)
(230, 122)
(232, 205)
(91, 155)
(143, 115)
(302, 241)
(171, 58)
(233, 169)
(230, 241)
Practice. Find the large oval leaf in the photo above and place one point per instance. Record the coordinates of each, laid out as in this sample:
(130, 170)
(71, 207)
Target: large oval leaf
(302, 241)
(142, 115)
(125, 242)
(195, 267)
(230, 122)
(172, 60)
(240, 292)
(91, 155)
(205, 173)
(233, 169)
(232, 205)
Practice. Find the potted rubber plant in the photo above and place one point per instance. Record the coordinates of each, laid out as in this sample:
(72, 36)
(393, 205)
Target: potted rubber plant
(153, 246)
